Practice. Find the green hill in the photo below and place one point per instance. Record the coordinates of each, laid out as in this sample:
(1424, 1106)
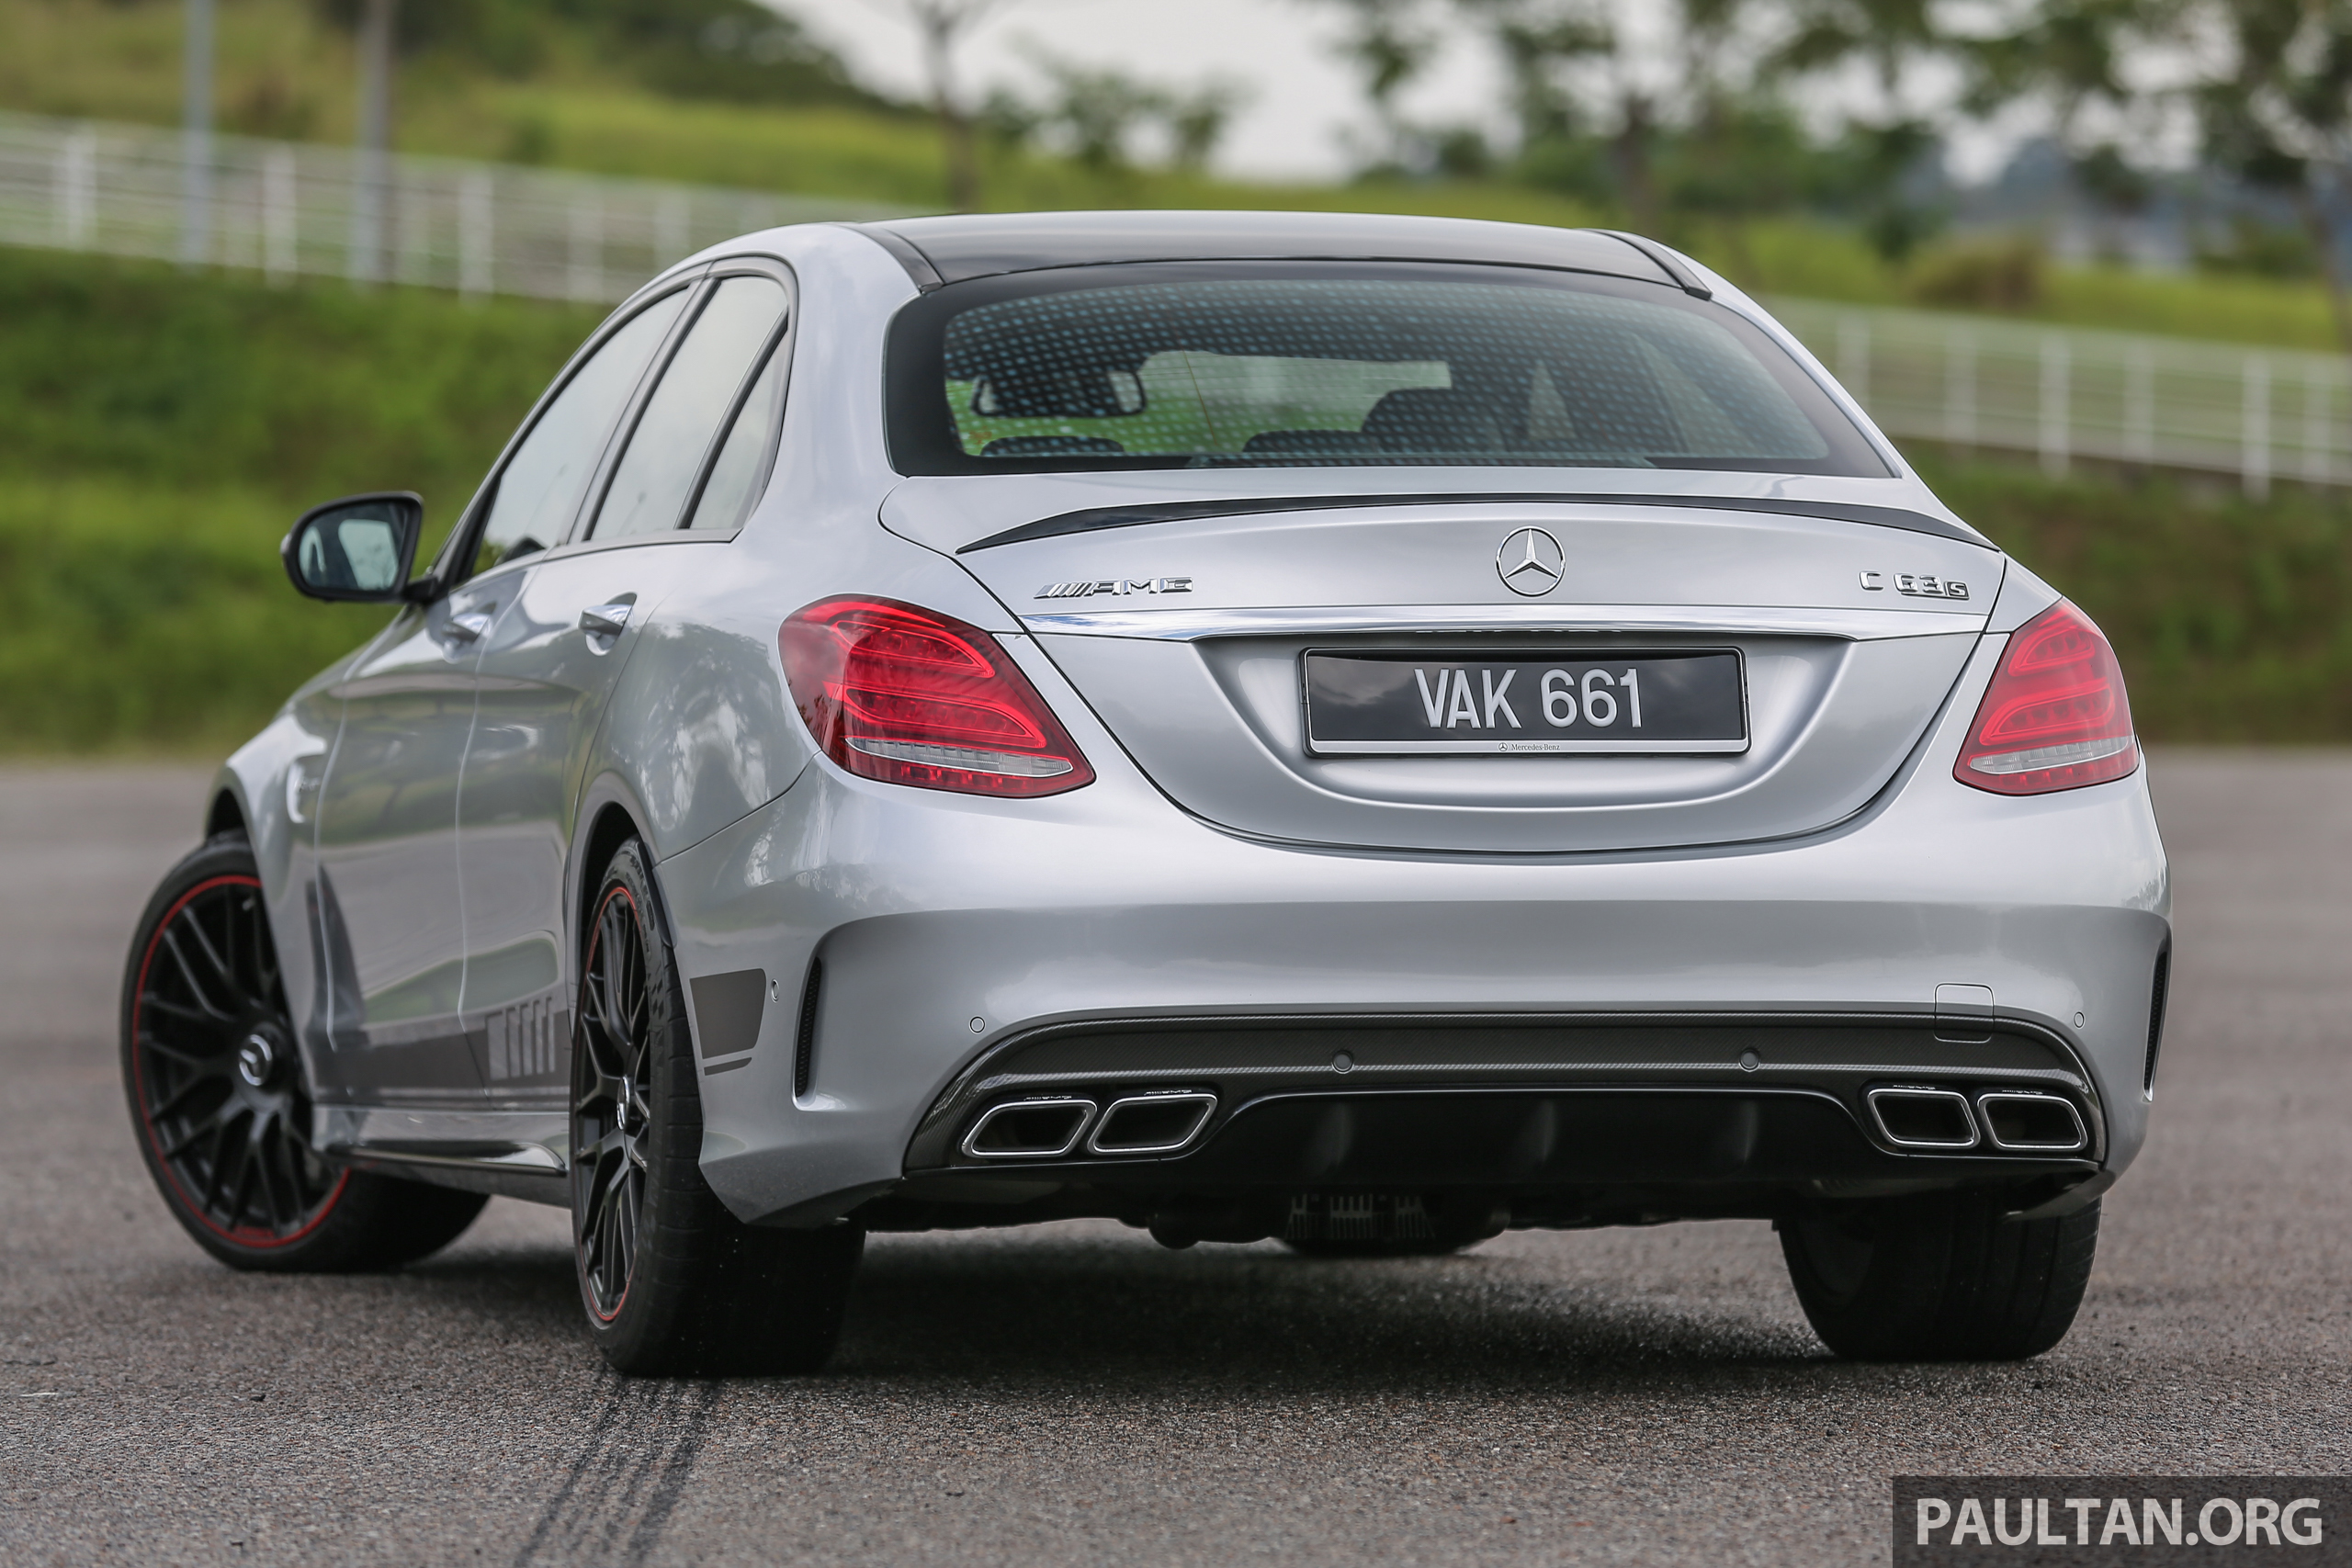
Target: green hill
(165, 430)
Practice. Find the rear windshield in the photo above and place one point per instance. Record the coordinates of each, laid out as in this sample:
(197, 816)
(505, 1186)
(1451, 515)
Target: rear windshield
(1190, 365)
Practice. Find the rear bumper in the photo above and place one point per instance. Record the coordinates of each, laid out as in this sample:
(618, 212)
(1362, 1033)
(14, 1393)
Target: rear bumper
(1469, 1161)
(960, 938)
(1849, 1059)
(1564, 1119)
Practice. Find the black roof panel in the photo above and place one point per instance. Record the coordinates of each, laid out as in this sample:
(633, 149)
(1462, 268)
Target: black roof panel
(985, 244)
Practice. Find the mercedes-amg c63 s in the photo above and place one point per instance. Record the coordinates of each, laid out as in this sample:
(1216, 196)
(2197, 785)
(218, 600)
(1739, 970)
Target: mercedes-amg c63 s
(1358, 731)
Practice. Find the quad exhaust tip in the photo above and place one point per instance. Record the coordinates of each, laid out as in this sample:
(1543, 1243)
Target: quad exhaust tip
(1152, 1123)
(1160, 1121)
(1029, 1129)
(2028, 1122)
(2013, 1121)
(1924, 1118)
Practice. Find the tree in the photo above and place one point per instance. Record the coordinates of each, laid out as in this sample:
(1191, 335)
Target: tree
(1390, 42)
(1891, 37)
(1568, 75)
(2267, 82)
(1878, 155)
(2070, 53)
(2277, 112)
(1629, 81)
(1197, 120)
(1093, 113)
(943, 25)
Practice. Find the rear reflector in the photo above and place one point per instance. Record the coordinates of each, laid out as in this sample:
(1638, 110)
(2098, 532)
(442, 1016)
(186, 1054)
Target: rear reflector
(910, 696)
(2055, 715)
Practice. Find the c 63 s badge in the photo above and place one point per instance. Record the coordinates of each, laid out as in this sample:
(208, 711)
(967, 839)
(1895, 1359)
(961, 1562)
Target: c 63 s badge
(1918, 585)
(1118, 585)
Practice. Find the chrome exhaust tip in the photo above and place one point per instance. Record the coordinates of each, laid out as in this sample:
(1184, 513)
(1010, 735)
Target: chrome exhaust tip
(1157, 1123)
(2026, 1122)
(1029, 1129)
(1923, 1118)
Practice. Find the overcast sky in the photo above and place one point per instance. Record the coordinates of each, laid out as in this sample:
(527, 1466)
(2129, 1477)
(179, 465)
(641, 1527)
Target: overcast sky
(1301, 95)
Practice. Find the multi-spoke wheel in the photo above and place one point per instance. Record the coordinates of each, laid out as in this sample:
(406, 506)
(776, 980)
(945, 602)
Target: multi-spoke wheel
(674, 1283)
(609, 1116)
(217, 1091)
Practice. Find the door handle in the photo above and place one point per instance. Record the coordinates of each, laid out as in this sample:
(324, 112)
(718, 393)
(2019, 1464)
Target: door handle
(605, 620)
(469, 625)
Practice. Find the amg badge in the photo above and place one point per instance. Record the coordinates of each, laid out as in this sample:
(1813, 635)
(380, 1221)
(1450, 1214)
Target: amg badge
(1116, 585)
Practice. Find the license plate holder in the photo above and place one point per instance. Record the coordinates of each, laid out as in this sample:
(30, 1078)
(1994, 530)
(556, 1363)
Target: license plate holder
(1535, 701)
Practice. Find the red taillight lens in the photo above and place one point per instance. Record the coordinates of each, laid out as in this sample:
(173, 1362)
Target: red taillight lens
(913, 697)
(2055, 715)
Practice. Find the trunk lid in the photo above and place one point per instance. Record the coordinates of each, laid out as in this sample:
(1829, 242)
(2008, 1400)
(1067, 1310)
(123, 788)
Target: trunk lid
(1186, 627)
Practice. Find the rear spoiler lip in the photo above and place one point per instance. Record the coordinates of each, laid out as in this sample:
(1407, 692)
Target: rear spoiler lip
(1091, 518)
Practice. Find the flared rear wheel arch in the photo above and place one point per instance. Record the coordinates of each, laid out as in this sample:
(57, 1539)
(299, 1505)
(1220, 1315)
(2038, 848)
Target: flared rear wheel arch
(671, 1283)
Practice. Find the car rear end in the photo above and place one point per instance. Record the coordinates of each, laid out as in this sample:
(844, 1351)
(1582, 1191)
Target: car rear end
(1463, 790)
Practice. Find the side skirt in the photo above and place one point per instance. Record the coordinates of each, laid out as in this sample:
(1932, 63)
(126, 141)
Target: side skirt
(509, 1153)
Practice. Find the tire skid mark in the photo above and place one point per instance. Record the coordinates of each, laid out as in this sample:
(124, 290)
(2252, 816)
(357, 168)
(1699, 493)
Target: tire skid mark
(619, 1493)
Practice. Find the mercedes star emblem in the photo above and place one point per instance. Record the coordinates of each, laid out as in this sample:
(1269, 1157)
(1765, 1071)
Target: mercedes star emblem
(1530, 562)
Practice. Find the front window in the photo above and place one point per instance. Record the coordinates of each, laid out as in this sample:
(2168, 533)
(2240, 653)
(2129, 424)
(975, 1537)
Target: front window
(1226, 365)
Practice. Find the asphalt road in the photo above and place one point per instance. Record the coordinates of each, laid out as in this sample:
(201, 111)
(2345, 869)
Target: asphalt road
(1073, 1393)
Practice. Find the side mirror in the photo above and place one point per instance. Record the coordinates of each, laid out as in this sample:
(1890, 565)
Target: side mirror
(357, 548)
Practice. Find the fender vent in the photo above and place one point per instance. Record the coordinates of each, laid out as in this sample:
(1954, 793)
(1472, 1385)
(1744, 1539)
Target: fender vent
(2156, 1017)
(804, 1038)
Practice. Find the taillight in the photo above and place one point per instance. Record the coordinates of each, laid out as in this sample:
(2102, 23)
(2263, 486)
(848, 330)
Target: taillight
(914, 697)
(2055, 715)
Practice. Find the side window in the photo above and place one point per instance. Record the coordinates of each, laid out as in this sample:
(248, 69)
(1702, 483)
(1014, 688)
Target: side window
(665, 454)
(543, 481)
(741, 471)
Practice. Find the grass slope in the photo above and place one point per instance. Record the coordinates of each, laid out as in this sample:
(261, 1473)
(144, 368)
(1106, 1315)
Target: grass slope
(147, 617)
(162, 434)
(163, 430)
(141, 374)
(2227, 614)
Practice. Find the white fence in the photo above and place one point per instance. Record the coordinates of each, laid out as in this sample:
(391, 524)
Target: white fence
(284, 208)
(290, 207)
(1970, 382)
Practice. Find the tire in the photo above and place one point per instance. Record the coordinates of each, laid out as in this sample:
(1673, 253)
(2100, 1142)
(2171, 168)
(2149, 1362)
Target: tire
(674, 1285)
(219, 1101)
(1941, 1277)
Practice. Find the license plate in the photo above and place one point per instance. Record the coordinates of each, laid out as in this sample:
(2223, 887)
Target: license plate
(1574, 701)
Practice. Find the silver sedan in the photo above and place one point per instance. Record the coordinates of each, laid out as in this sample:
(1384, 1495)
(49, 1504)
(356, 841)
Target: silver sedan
(1359, 731)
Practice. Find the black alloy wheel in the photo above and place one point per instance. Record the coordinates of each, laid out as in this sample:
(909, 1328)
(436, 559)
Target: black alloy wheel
(674, 1284)
(217, 1090)
(212, 1072)
(610, 1120)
